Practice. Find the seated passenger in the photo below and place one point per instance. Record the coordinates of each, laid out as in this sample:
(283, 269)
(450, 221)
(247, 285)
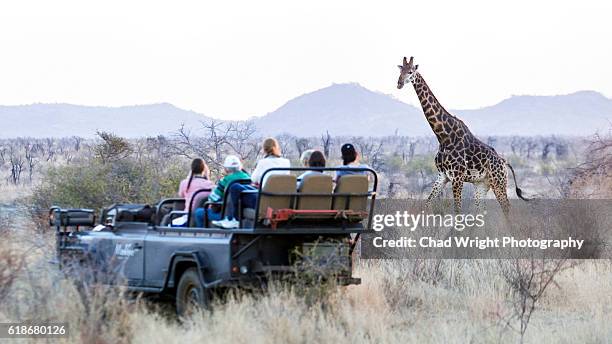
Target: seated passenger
(272, 158)
(350, 160)
(233, 171)
(199, 179)
(317, 159)
(305, 157)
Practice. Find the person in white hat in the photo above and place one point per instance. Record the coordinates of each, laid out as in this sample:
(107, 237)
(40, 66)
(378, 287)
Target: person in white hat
(233, 171)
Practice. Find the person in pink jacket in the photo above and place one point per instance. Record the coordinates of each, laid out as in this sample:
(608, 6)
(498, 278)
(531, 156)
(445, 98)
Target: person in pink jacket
(198, 179)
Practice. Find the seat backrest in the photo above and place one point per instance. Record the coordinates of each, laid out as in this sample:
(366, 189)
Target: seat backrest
(199, 198)
(356, 184)
(316, 183)
(165, 206)
(226, 194)
(277, 183)
(179, 205)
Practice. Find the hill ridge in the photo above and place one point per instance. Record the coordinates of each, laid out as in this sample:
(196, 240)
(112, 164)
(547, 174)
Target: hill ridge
(347, 109)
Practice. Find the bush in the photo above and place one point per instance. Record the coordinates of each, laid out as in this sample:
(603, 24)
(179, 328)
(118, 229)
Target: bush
(422, 164)
(100, 181)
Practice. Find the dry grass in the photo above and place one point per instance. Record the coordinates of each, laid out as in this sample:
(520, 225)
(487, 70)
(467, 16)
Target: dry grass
(467, 304)
(426, 301)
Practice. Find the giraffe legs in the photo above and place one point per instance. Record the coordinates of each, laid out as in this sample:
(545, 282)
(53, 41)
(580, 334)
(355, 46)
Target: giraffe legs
(480, 192)
(457, 189)
(502, 198)
(500, 182)
(437, 188)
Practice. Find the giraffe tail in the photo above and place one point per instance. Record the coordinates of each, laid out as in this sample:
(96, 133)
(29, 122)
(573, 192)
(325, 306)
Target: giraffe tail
(519, 192)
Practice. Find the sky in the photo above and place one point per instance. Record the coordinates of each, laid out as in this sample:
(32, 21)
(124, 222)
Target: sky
(236, 59)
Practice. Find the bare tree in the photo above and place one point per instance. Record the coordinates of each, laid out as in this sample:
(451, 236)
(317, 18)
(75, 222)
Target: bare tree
(286, 142)
(547, 148)
(371, 150)
(77, 143)
(191, 146)
(531, 146)
(218, 139)
(326, 141)
(411, 148)
(49, 149)
(31, 159)
(17, 164)
(159, 146)
(240, 140)
(301, 144)
(3, 151)
(517, 145)
(527, 280)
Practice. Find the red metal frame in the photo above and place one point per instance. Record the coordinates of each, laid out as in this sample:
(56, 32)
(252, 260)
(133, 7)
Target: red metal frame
(275, 216)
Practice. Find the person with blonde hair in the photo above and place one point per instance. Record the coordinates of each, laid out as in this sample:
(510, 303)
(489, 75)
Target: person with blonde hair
(272, 158)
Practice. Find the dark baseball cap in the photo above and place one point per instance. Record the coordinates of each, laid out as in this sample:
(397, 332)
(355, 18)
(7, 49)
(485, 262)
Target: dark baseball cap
(347, 149)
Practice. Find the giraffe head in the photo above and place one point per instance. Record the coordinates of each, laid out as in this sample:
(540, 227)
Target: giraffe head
(407, 72)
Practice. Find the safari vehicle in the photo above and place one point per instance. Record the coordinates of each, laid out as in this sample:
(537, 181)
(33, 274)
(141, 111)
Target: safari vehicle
(315, 226)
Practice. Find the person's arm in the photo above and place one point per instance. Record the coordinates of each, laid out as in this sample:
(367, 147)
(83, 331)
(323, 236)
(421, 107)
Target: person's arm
(337, 175)
(181, 190)
(256, 176)
(217, 194)
(367, 173)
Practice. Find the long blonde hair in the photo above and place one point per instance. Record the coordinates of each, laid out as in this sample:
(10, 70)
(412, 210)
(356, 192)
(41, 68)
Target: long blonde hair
(271, 147)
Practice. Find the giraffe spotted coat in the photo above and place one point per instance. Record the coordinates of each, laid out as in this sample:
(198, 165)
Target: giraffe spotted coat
(461, 158)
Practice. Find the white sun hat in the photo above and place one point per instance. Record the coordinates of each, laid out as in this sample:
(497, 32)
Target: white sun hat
(232, 161)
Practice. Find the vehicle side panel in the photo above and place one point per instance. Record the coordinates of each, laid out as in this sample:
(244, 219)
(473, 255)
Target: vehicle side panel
(214, 249)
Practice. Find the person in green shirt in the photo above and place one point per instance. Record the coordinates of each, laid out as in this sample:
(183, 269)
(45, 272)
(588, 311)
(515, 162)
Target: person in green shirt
(233, 171)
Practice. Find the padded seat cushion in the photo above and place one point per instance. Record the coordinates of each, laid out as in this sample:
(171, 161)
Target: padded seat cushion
(352, 184)
(281, 184)
(316, 183)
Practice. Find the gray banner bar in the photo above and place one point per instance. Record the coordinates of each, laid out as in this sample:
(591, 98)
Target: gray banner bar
(34, 330)
(576, 229)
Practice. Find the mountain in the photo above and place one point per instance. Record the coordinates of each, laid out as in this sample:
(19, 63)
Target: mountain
(579, 113)
(350, 109)
(344, 109)
(341, 109)
(57, 120)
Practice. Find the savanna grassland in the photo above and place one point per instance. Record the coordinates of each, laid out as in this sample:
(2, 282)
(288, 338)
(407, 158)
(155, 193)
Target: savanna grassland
(429, 301)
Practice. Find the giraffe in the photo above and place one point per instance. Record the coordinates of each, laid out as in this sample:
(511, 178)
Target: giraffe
(461, 157)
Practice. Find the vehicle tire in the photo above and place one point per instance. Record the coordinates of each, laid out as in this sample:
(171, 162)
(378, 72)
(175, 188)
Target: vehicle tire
(191, 295)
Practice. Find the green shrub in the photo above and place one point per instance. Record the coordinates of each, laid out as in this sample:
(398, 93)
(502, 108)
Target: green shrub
(393, 163)
(422, 163)
(100, 181)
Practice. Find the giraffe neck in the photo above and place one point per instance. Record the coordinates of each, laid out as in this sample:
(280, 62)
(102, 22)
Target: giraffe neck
(443, 124)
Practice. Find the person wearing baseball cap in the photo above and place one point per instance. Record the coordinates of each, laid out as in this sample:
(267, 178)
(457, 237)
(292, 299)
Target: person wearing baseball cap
(233, 171)
(350, 160)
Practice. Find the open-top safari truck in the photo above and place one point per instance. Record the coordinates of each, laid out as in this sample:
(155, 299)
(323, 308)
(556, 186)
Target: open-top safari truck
(315, 226)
